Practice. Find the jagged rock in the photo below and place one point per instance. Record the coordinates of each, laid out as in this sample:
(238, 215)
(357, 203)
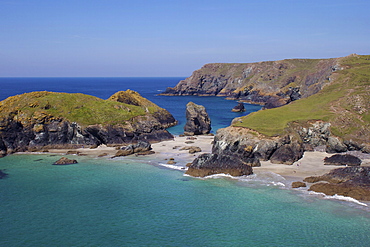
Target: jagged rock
(298, 184)
(239, 108)
(351, 181)
(208, 164)
(288, 153)
(334, 145)
(141, 146)
(65, 161)
(197, 120)
(342, 160)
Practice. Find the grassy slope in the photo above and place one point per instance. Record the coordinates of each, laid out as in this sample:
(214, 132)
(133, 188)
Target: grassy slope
(84, 109)
(338, 103)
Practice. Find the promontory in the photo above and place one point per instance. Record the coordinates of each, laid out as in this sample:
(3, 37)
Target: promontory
(41, 120)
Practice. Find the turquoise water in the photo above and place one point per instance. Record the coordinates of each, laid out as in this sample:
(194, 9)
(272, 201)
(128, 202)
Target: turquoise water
(135, 202)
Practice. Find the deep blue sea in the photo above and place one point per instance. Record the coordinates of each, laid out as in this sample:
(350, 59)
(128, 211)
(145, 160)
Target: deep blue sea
(132, 201)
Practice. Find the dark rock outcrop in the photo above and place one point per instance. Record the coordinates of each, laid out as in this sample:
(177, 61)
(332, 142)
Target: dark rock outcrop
(239, 108)
(288, 153)
(65, 161)
(197, 120)
(208, 164)
(298, 184)
(342, 160)
(140, 147)
(349, 181)
(248, 144)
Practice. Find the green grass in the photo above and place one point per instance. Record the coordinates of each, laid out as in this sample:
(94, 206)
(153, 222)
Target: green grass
(80, 108)
(353, 81)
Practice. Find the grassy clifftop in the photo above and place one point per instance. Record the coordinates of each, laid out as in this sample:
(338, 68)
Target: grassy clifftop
(80, 108)
(344, 102)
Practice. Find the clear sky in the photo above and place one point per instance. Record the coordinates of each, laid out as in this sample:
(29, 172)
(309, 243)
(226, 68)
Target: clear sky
(172, 37)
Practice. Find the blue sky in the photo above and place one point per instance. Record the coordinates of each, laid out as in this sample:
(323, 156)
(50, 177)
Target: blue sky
(170, 37)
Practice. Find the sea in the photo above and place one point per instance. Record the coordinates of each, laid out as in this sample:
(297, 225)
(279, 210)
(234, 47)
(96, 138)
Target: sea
(137, 201)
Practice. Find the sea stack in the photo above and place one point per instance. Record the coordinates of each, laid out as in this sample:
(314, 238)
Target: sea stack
(239, 108)
(197, 120)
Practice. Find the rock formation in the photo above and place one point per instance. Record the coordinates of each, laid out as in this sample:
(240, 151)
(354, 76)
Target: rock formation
(192, 149)
(349, 181)
(65, 161)
(342, 160)
(239, 108)
(272, 83)
(41, 120)
(298, 184)
(141, 147)
(197, 120)
(208, 164)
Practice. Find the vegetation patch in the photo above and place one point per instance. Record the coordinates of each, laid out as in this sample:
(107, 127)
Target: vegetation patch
(344, 102)
(80, 108)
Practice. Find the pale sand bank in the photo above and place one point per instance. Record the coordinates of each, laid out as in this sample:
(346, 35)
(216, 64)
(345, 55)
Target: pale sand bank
(312, 163)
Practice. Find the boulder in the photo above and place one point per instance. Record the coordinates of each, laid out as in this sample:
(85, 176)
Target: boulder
(342, 160)
(298, 184)
(208, 164)
(65, 161)
(239, 108)
(288, 154)
(192, 149)
(334, 145)
(197, 120)
(352, 181)
(140, 147)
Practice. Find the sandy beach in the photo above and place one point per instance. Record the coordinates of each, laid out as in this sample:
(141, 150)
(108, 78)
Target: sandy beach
(312, 163)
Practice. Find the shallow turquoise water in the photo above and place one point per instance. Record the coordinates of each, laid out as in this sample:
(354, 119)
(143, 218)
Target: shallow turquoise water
(133, 202)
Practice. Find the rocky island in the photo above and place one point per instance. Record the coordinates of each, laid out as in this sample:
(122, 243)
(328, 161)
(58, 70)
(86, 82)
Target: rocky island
(41, 120)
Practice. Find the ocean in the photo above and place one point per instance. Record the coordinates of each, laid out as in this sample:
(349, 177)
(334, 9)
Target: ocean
(134, 201)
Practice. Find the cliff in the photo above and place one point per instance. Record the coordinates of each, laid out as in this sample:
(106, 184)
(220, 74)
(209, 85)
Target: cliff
(272, 83)
(331, 114)
(41, 120)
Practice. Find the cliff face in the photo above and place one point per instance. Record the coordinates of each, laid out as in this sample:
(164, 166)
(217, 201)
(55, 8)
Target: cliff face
(272, 84)
(335, 119)
(41, 120)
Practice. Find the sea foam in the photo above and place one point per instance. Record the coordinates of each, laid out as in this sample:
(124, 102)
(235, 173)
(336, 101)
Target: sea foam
(339, 197)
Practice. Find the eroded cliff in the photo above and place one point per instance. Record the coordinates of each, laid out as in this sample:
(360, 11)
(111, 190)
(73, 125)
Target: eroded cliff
(272, 83)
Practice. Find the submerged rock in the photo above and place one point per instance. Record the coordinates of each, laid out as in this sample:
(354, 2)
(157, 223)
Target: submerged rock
(208, 164)
(3, 174)
(65, 161)
(197, 120)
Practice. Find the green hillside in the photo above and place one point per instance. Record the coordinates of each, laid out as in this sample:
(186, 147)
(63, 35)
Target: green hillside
(344, 102)
(80, 108)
